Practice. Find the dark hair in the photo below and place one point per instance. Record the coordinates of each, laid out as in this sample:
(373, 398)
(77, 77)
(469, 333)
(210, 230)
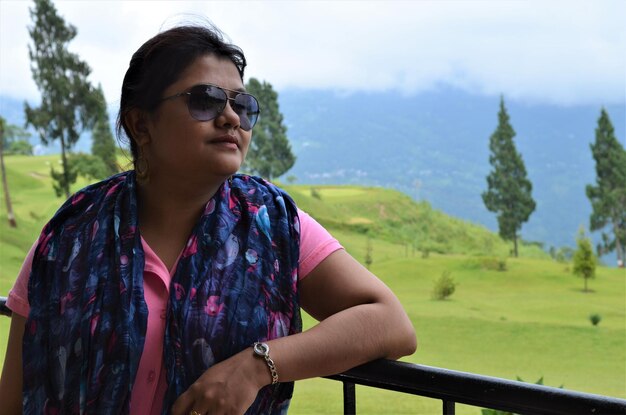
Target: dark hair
(159, 62)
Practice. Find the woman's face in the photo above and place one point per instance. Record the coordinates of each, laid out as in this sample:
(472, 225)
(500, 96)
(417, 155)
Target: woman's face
(183, 148)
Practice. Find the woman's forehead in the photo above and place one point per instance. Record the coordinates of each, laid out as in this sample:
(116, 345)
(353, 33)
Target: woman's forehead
(211, 69)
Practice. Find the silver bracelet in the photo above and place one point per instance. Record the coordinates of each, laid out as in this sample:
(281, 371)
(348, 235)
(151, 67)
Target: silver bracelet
(263, 350)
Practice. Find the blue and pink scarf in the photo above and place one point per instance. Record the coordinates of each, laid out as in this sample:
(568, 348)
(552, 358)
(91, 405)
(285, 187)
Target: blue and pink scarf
(234, 284)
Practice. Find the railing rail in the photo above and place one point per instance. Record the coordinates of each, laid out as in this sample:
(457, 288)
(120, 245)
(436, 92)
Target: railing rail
(453, 387)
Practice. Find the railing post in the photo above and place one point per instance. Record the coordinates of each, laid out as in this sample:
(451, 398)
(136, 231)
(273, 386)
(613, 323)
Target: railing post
(4, 310)
(448, 407)
(349, 399)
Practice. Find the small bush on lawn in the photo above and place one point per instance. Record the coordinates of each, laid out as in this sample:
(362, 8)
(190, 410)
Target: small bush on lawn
(444, 286)
(595, 319)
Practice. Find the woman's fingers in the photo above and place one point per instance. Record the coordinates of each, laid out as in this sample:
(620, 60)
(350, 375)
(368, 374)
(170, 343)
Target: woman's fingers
(224, 389)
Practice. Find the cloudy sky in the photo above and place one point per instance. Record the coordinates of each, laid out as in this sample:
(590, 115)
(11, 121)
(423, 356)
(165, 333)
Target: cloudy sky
(564, 52)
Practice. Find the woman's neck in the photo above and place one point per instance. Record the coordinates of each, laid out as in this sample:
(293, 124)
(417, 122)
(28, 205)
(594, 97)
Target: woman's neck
(163, 200)
(168, 211)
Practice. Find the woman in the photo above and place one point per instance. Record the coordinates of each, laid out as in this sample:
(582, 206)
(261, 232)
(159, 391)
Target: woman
(176, 287)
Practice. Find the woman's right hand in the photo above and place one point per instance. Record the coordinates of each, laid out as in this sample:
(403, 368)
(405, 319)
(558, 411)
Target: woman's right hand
(227, 388)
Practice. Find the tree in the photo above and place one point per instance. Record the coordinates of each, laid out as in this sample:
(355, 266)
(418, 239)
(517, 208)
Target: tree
(68, 101)
(608, 196)
(89, 166)
(584, 259)
(509, 190)
(103, 144)
(15, 140)
(270, 153)
(20, 147)
(5, 183)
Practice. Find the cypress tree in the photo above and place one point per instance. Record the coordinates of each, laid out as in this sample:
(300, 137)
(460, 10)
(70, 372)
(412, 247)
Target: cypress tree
(270, 153)
(508, 189)
(608, 196)
(68, 101)
(103, 144)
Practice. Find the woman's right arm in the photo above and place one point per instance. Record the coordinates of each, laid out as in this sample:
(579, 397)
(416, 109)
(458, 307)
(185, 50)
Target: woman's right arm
(11, 381)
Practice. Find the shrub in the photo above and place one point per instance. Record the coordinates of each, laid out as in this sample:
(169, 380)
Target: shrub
(316, 193)
(444, 286)
(595, 318)
(494, 264)
(368, 253)
(425, 253)
(495, 412)
(564, 254)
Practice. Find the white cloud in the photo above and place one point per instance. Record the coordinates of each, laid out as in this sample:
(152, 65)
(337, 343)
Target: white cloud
(563, 52)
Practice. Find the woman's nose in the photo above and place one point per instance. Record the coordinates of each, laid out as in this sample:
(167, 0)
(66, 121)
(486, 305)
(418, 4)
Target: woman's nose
(228, 117)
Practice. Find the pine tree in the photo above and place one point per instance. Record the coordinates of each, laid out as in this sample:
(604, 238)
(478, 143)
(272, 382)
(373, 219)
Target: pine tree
(103, 144)
(584, 259)
(270, 153)
(608, 196)
(68, 101)
(509, 190)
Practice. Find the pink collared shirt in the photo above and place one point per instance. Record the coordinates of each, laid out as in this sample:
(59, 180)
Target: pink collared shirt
(150, 384)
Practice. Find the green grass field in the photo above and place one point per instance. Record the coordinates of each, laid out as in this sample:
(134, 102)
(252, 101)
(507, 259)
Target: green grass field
(531, 320)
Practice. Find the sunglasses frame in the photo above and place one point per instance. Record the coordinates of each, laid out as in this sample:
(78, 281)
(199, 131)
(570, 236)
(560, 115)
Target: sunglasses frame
(188, 92)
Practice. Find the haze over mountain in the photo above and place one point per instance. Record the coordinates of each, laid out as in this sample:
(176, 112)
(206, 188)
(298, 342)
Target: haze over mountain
(434, 147)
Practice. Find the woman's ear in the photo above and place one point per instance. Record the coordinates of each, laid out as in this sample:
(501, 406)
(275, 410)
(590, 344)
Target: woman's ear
(137, 122)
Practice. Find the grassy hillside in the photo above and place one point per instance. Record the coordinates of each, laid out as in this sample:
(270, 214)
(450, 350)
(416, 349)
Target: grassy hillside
(393, 216)
(530, 320)
(380, 213)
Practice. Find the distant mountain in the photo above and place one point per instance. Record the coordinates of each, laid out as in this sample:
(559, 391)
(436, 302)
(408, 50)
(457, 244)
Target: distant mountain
(434, 146)
(13, 111)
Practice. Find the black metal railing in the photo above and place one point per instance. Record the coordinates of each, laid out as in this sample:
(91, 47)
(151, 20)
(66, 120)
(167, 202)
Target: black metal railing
(4, 310)
(452, 387)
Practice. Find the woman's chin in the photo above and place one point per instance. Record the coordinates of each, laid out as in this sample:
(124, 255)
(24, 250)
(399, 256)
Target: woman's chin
(225, 168)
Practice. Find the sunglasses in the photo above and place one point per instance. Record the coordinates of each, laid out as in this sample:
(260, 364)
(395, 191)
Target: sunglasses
(206, 102)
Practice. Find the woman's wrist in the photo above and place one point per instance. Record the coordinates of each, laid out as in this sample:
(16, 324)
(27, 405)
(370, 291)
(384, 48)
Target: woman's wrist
(262, 351)
(256, 370)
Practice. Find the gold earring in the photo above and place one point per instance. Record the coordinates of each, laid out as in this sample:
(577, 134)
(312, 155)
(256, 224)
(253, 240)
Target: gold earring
(142, 168)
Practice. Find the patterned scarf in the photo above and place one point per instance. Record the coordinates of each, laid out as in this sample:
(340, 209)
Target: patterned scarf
(234, 284)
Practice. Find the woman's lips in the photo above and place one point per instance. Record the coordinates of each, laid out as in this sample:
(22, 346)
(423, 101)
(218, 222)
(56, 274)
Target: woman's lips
(225, 140)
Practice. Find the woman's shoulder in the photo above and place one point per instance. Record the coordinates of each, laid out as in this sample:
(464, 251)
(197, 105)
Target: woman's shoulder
(83, 205)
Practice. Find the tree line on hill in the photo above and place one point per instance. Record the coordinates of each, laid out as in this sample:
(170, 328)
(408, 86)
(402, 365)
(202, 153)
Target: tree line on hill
(509, 190)
(70, 105)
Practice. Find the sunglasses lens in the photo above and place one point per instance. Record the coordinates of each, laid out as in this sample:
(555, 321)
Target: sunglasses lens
(206, 102)
(247, 107)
